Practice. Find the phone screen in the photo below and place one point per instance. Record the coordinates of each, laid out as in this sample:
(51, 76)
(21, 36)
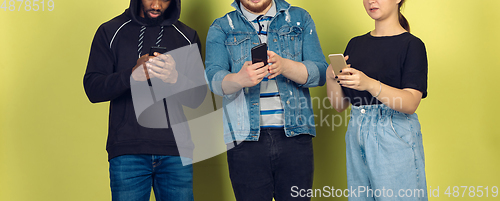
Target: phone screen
(154, 49)
(259, 53)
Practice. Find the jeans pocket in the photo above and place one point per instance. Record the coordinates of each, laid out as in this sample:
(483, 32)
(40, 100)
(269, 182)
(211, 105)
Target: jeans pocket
(401, 128)
(235, 146)
(303, 138)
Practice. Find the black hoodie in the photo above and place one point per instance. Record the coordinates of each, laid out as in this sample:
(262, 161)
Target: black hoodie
(114, 52)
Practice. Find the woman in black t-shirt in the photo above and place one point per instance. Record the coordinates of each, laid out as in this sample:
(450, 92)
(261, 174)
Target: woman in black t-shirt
(386, 80)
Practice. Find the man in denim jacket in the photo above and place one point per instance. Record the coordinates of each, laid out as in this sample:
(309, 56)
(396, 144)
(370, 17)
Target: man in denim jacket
(267, 108)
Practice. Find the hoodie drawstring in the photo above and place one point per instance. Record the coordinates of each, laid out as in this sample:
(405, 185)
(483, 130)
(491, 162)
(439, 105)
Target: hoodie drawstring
(141, 39)
(160, 36)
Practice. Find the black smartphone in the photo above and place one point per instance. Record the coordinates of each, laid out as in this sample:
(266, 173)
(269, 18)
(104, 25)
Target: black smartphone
(259, 53)
(154, 49)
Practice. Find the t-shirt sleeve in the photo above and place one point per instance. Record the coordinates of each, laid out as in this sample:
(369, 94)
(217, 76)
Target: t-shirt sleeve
(415, 67)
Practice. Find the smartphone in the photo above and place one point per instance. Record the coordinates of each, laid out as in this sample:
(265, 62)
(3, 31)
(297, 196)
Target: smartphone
(338, 62)
(154, 49)
(259, 53)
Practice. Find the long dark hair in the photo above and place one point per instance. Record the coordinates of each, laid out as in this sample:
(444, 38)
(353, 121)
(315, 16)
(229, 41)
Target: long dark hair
(402, 20)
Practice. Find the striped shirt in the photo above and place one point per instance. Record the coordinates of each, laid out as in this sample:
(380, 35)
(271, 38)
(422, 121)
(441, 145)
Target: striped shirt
(271, 110)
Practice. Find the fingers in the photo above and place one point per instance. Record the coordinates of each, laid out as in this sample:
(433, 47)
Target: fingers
(257, 69)
(164, 57)
(261, 73)
(159, 72)
(157, 69)
(154, 74)
(347, 74)
(274, 70)
(143, 59)
(263, 70)
(162, 60)
(273, 57)
(273, 75)
(349, 84)
(350, 78)
(348, 71)
(348, 81)
(256, 66)
(276, 63)
(159, 64)
(145, 71)
(169, 76)
(146, 58)
(270, 53)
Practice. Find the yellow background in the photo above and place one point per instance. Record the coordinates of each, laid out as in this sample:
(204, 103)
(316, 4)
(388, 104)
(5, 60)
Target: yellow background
(52, 139)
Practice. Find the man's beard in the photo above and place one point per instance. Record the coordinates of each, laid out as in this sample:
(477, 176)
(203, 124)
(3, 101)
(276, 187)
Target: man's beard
(153, 21)
(258, 9)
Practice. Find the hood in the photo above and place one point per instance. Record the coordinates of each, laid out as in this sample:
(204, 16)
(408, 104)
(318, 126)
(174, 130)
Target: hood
(172, 14)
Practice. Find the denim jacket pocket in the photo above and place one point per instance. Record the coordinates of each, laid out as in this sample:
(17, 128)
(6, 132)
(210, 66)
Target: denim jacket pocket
(238, 46)
(291, 41)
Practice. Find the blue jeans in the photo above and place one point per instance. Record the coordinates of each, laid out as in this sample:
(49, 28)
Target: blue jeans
(385, 156)
(271, 167)
(132, 177)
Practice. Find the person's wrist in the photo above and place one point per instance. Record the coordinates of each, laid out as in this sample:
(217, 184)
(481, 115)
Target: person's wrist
(376, 88)
(330, 74)
(373, 86)
(285, 65)
(235, 79)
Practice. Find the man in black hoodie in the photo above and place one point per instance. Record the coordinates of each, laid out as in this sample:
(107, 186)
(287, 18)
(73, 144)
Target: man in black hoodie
(147, 148)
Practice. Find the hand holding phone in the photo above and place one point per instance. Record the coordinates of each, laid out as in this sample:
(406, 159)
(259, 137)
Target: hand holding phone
(338, 63)
(162, 66)
(154, 49)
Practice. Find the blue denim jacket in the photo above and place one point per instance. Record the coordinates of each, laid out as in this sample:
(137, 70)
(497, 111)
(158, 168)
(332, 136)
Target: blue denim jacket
(292, 35)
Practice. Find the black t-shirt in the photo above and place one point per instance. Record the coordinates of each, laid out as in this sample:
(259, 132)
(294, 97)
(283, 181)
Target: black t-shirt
(399, 61)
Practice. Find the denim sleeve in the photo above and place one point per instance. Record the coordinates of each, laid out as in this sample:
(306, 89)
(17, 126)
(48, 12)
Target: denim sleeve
(313, 57)
(217, 59)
